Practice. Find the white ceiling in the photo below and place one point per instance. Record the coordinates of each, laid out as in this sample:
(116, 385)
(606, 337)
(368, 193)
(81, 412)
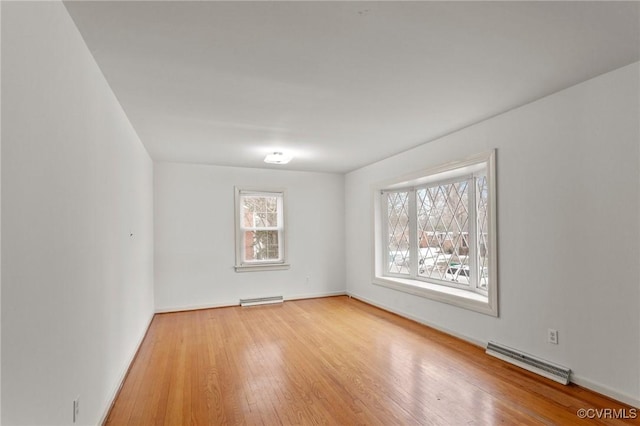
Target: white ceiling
(339, 84)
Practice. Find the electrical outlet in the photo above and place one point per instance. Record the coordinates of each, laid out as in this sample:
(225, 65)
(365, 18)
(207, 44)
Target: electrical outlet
(76, 409)
(552, 336)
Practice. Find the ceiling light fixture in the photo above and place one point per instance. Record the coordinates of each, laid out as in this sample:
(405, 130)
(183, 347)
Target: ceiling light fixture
(277, 158)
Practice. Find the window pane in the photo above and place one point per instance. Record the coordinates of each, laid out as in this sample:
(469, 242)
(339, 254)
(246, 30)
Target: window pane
(482, 198)
(398, 244)
(271, 220)
(261, 245)
(443, 232)
(259, 211)
(271, 204)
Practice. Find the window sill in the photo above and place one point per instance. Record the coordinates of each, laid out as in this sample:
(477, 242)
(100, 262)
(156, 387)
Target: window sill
(452, 296)
(262, 267)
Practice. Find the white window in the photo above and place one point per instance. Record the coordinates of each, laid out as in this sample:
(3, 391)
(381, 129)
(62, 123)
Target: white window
(435, 234)
(260, 230)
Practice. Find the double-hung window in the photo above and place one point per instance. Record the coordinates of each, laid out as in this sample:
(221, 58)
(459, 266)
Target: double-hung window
(435, 234)
(260, 230)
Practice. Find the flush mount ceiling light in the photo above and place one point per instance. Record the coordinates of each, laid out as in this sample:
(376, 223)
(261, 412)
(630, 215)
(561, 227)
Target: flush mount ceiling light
(277, 158)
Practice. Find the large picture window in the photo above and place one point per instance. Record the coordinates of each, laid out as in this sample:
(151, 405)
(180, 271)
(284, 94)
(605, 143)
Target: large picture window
(436, 234)
(260, 230)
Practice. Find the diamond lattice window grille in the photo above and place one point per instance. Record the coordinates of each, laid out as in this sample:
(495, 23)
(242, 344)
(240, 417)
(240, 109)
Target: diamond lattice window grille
(398, 243)
(482, 199)
(436, 228)
(443, 232)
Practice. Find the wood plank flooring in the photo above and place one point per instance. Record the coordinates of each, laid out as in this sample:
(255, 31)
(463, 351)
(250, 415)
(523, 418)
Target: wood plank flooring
(333, 361)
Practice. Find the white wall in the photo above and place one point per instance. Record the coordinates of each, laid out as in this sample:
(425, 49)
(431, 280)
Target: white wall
(0, 214)
(194, 235)
(77, 290)
(568, 208)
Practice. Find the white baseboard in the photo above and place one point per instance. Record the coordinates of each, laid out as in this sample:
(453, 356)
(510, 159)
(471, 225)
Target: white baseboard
(419, 320)
(183, 308)
(606, 391)
(316, 295)
(123, 374)
(578, 380)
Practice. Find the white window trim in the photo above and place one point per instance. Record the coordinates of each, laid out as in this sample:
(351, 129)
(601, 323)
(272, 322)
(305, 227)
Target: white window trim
(458, 297)
(265, 265)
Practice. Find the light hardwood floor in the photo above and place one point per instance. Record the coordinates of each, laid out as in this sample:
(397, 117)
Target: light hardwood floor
(333, 361)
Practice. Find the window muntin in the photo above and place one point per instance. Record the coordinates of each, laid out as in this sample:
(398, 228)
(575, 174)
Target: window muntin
(260, 229)
(447, 215)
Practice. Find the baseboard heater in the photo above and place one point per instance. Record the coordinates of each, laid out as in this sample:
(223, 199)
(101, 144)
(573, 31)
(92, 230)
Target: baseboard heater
(261, 301)
(544, 368)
